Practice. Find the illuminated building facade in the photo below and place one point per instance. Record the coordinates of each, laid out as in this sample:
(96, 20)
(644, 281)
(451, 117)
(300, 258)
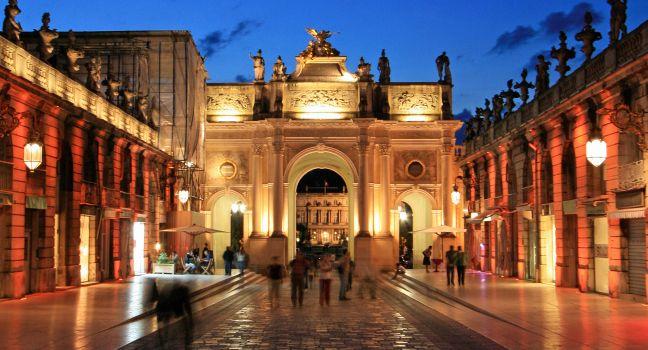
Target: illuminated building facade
(390, 142)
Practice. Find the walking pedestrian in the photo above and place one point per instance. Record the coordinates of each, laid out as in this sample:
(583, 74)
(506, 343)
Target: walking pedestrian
(462, 262)
(276, 273)
(451, 256)
(325, 272)
(351, 272)
(344, 267)
(241, 259)
(228, 257)
(367, 274)
(298, 268)
(426, 258)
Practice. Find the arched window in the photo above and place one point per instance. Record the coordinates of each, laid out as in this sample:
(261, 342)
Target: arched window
(568, 173)
(498, 177)
(486, 179)
(139, 174)
(6, 162)
(511, 179)
(467, 181)
(547, 179)
(90, 154)
(108, 163)
(127, 170)
(527, 176)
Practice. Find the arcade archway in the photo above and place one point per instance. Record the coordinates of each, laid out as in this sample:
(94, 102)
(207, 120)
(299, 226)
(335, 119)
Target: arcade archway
(307, 162)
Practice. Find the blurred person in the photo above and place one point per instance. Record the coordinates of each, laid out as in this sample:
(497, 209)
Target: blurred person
(367, 274)
(426, 258)
(400, 270)
(344, 268)
(451, 257)
(298, 267)
(172, 300)
(461, 262)
(228, 258)
(241, 260)
(276, 273)
(325, 275)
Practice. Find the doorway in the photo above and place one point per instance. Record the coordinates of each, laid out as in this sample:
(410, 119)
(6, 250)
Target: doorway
(125, 228)
(635, 231)
(84, 247)
(139, 266)
(321, 214)
(34, 230)
(531, 243)
(601, 261)
(570, 250)
(548, 248)
(405, 227)
(106, 255)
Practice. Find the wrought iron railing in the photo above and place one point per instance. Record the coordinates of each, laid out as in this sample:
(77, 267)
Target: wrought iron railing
(89, 193)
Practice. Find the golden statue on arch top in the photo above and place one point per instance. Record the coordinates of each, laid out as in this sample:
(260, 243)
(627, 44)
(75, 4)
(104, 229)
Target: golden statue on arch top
(319, 47)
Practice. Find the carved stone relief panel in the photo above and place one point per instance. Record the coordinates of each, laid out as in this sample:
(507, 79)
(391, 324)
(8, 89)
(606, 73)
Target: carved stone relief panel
(228, 166)
(415, 99)
(415, 166)
(306, 97)
(230, 100)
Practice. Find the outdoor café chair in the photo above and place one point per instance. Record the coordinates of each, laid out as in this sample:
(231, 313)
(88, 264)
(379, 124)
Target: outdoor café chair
(207, 269)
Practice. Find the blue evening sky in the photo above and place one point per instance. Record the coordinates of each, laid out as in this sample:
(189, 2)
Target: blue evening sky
(488, 41)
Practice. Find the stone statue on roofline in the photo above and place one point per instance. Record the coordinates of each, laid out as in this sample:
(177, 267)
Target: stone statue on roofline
(498, 105)
(112, 88)
(588, 36)
(73, 54)
(384, 68)
(259, 67)
(93, 79)
(524, 86)
(10, 27)
(509, 96)
(143, 109)
(542, 75)
(618, 9)
(479, 114)
(128, 95)
(46, 36)
(488, 113)
(443, 68)
(469, 132)
(562, 54)
(319, 47)
(279, 70)
(364, 70)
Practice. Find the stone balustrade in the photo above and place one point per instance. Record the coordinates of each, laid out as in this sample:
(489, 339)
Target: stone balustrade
(631, 47)
(25, 65)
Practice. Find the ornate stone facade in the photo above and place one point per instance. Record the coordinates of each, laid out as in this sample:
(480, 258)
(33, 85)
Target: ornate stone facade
(385, 140)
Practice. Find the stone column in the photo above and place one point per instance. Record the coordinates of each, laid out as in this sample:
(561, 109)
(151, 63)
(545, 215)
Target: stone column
(384, 191)
(363, 186)
(257, 190)
(448, 179)
(277, 187)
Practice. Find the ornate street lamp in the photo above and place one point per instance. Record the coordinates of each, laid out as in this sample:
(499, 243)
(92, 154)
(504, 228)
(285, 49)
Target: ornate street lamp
(33, 151)
(183, 195)
(596, 149)
(455, 195)
(239, 207)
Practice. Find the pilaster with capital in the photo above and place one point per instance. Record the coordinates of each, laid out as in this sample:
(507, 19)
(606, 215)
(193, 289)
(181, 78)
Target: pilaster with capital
(277, 187)
(448, 179)
(363, 188)
(385, 153)
(257, 189)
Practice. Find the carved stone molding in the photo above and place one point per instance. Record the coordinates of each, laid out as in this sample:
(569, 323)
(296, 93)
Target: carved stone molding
(626, 120)
(257, 149)
(9, 119)
(384, 149)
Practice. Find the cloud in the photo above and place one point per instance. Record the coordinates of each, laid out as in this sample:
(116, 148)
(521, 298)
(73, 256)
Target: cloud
(548, 27)
(217, 40)
(510, 40)
(568, 21)
(240, 78)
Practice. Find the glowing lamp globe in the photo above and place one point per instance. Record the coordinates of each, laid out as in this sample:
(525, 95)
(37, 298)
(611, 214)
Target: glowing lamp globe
(158, 246)
(402, 215)
(33, 155)
(455, 195)
(596, 151)
(183, 196)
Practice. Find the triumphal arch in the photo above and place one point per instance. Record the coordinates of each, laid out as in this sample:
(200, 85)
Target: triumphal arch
(392, 143)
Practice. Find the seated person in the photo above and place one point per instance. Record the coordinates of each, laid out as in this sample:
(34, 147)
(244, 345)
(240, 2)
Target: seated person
(190, 262)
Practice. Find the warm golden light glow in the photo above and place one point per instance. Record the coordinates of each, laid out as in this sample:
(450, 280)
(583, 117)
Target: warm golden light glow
(183, 196)
(228, 118)
(416, 118)
(596, 151)
(455, 195)
(320, 115)
(33, 155)
(158, 247)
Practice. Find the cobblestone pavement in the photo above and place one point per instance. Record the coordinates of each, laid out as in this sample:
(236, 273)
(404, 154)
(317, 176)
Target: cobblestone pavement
(384, 323)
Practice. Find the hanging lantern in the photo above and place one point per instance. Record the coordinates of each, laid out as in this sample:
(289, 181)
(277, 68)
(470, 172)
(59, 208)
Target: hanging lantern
(596, 151)
(455, 195)
(33, 154)
(158, 247)
(183, 195)
(238, 207)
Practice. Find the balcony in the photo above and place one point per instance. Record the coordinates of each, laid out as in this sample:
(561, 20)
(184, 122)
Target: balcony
(89, 193)
(112, 197)
(125, 200)
(139, 203)
(23, 64)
